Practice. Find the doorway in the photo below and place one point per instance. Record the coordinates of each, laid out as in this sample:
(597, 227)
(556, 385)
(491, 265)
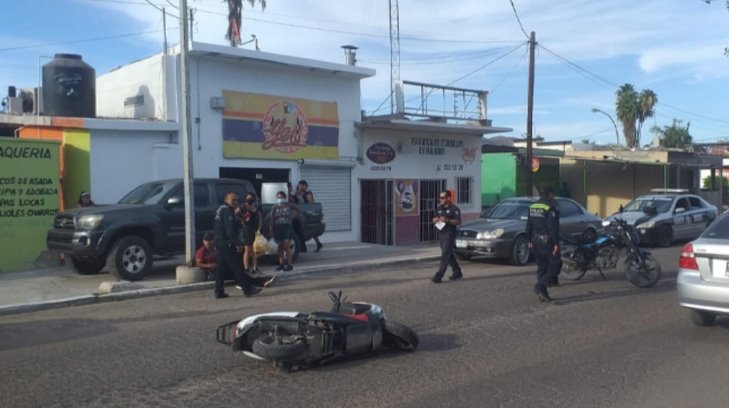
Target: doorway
(377, 211)
(256, 176)
(429, 191)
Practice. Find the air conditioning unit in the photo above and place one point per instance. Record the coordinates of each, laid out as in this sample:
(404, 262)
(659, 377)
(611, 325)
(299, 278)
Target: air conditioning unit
(32, 100)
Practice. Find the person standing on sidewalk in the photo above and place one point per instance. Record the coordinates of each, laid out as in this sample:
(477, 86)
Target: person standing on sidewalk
(309, 200)
(251, 221)
(229, 248)
(282, 230)
(543, 234)
(447, 218)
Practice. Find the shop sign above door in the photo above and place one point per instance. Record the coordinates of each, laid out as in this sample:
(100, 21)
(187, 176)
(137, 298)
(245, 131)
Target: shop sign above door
(272, 127)
(381, 153)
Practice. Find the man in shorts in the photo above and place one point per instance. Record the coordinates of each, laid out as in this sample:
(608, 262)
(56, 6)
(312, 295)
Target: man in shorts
(282, 230)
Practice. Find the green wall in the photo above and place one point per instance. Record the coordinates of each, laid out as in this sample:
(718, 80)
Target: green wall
(498, 177)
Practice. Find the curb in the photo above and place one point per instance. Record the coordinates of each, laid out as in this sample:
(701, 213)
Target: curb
(192, 287)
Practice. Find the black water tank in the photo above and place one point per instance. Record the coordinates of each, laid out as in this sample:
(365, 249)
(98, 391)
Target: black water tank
(69, 87)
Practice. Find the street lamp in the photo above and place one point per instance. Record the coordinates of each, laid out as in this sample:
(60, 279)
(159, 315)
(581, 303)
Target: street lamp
(617, 136)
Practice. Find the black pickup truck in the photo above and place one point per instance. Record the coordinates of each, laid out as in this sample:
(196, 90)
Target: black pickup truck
(149, 221)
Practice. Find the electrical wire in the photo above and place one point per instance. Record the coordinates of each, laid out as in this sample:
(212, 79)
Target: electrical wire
(486, 64)
(518, 20)
(511, 71)
(372, 35)
(108, 37)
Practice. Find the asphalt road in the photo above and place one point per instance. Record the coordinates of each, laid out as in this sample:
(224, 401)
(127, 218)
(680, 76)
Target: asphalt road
(486, 341)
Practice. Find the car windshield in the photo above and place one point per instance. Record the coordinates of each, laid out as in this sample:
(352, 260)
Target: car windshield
(510, 210)
(149, 193)
(660, 204)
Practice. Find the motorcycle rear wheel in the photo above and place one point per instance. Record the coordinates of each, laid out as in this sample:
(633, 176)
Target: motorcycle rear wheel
(570, 267)
(397, 335)
(643, 275)
(287, 348)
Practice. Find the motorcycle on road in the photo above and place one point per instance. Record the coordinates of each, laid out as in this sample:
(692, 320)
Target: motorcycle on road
(295, 339)
(619, 242)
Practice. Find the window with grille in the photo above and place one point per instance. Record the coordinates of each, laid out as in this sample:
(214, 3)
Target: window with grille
(464, 189)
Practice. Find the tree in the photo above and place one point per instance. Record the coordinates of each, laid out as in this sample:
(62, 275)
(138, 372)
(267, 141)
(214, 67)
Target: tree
(646, 102)
(235, 9)
(626, 109)
(674, 136)
(706, 184)
(632, 109)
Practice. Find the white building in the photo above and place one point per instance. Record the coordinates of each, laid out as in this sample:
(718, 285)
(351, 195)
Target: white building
(255, 115)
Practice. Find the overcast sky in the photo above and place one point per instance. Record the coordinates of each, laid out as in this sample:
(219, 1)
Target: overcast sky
(587, 48)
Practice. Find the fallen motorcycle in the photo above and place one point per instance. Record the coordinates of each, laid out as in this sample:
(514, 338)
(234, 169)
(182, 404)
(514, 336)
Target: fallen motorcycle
(294, 339)
(620, 241)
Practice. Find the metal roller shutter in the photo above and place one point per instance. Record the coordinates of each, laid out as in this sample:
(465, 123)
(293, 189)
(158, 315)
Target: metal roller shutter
(332, 187)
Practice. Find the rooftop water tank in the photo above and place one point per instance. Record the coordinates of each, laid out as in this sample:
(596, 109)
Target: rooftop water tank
(69, 87)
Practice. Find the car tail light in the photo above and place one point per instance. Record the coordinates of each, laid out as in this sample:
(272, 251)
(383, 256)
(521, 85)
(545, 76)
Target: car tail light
(688, 258)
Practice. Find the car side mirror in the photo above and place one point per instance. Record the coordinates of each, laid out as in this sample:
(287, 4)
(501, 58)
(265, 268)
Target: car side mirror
(174, 201)
(679, 210)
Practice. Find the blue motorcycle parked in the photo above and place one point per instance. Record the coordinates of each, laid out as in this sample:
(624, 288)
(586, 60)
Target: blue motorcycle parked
(618, 242)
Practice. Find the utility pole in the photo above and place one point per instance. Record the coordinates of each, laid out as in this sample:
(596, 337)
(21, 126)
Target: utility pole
(192, 24)
(164, 29)
(186, 136)
(530, 109)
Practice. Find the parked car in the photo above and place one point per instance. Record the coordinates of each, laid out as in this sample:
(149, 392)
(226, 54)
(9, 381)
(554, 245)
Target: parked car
(702, 285)
(501, 232)
(150, 220)
(667, 215)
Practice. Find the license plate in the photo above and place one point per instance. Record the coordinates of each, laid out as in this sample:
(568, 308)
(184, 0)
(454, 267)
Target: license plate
(720, 268)
(461, 243)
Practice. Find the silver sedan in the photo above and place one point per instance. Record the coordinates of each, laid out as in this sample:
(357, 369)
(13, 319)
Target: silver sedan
(501, 232)
(703, 274)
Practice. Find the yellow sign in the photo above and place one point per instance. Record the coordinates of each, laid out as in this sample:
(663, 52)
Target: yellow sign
(29, 200)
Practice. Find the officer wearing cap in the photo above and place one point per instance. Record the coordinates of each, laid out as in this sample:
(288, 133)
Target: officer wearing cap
(543, 235)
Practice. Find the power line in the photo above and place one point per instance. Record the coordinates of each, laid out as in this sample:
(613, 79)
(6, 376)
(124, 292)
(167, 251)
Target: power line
(511, 71)
(589, 74)
(441, 58)
(109, 37)
(518, 20)
(172, 4)
(331, 30)
(486, 64)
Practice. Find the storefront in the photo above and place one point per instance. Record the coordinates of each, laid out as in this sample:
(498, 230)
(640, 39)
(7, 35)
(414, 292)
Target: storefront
(406, 164)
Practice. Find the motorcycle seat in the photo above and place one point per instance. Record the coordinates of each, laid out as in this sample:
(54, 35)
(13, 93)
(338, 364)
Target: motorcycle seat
(340, 318)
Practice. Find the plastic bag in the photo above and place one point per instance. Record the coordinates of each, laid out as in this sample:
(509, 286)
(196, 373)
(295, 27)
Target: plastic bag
(272, 246)
(260, 245)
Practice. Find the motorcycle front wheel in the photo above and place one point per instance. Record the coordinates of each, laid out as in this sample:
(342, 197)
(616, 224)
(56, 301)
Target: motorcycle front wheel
(399, 336)
(571, 269)
(288, 348)
(643, 274)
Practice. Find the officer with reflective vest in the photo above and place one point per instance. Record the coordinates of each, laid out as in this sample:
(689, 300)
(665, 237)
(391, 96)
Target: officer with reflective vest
(543, 235)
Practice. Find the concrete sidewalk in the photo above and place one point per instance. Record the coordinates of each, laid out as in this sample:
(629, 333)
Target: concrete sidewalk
(58, 287)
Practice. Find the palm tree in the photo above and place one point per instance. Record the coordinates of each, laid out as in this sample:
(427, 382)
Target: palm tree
(626, 109)
(646, 102)
(235, 9)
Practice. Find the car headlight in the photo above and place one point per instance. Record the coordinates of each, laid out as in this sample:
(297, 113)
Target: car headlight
(89, 222)
(647, 225)
(490, 234)
(606, 223)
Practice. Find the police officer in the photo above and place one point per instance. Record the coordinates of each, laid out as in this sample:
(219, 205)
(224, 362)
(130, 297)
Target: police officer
(555, 260)
(228, 244)
(543, 234)
(450, 215)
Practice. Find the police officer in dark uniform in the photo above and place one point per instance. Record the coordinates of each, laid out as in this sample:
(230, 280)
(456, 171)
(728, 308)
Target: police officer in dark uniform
(555, 261)
(450, 215)
(227, 242)
(543, 234)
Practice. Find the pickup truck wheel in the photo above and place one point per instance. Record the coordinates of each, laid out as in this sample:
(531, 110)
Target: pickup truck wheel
(130, 258)
(86, 266)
